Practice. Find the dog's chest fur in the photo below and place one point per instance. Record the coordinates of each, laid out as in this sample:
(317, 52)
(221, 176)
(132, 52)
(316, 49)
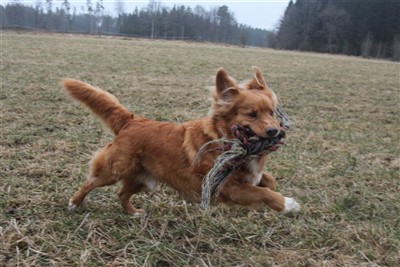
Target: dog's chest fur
(254, 172)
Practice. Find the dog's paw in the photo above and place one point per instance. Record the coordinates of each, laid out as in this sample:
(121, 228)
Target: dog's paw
(291, 206)
(136, 212)
(71, 206)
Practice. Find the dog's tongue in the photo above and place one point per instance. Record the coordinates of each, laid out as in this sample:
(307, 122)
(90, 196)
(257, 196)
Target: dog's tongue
(275, 147)
(281, 141)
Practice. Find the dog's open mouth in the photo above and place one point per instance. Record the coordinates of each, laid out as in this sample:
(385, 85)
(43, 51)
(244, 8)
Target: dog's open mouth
(255, 144)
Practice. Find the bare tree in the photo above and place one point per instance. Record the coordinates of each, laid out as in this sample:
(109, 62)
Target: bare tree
(49, 16)
(67, 8)
(89, 7)
(119, 9)
(396, 48)
(98, 12)
(366, 46)
(154, 7)
(49, 4)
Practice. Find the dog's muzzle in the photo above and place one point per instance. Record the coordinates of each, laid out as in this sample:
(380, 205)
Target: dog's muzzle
(255, 144)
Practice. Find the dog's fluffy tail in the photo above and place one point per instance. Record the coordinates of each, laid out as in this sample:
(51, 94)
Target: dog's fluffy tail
(101, 103)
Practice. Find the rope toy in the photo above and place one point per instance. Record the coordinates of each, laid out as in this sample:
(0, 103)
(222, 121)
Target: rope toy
(235, 153)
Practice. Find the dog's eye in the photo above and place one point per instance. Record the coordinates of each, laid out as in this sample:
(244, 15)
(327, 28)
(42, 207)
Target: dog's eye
(253, 114)
(271, 113)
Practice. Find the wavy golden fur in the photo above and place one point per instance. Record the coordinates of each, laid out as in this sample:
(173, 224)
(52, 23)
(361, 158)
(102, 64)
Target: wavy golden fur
(146, 152)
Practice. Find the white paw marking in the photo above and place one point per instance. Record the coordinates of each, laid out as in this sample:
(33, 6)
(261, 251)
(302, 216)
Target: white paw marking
(291, 206)
(138, 214)
(71, 206)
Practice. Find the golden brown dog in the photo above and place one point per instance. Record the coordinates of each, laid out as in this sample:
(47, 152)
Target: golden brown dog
(146, 152)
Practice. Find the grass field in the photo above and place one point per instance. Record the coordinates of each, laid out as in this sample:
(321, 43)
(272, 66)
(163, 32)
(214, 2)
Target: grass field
(341, 161)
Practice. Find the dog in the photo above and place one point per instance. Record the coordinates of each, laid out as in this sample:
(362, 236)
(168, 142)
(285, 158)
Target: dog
(145, 152)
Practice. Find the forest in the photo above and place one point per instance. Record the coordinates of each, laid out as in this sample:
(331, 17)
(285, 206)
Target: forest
(369, 29)
(352, 27)
(218, 24)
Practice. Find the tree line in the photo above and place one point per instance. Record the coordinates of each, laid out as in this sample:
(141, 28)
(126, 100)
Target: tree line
(352, 27)
(218, 24)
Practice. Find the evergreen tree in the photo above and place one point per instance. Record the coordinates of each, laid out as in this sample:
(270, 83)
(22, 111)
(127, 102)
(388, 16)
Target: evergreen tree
(367, 28)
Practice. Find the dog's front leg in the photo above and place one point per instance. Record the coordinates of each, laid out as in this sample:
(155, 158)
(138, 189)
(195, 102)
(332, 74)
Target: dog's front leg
(248, 195)
(268, 180)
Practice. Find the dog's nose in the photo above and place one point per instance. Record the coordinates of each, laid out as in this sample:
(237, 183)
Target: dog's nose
(272, 131)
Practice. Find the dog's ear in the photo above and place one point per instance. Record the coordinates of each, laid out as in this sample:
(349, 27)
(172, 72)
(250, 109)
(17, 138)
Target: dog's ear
(258, 81)
(226, 87)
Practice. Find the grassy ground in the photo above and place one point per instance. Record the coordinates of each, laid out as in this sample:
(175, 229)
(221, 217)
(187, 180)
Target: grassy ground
(341, 161)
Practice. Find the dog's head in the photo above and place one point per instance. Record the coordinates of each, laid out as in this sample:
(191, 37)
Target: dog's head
(251, 105)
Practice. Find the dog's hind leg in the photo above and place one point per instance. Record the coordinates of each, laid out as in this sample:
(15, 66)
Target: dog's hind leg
(133, 184)
(91, 183)
(130, 186)
(99, 176)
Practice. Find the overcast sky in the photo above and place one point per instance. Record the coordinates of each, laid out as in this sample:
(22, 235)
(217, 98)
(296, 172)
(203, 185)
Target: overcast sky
(263, 14)
(260, 14)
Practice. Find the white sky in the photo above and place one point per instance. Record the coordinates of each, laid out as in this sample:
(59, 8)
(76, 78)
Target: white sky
(263, 14)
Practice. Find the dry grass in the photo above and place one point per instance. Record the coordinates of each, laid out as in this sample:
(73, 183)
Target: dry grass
(341, 161)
